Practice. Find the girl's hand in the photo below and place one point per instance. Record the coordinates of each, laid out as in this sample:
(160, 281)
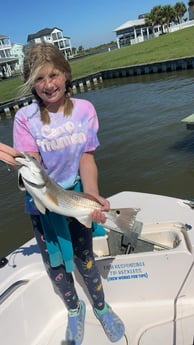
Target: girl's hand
(7, 154)
(99, 216)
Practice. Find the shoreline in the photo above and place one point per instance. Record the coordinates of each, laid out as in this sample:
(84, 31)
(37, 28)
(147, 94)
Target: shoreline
(89, 81)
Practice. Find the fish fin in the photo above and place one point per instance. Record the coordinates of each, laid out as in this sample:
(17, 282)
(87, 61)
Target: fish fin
(85, 220)
(124, 218)
(52, 198)
(90, 197)
(39, 205)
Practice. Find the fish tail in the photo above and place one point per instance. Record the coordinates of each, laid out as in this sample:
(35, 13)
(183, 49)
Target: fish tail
(124, 218)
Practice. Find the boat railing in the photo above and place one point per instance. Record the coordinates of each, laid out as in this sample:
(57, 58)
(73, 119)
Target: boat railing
(11, 289)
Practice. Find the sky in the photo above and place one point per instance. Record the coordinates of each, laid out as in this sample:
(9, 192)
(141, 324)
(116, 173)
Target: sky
(88, 23)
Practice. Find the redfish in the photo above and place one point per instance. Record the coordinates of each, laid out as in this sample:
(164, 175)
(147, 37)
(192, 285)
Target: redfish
(47, 194)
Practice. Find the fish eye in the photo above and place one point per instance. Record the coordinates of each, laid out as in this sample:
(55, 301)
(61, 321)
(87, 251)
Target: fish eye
(118, 212)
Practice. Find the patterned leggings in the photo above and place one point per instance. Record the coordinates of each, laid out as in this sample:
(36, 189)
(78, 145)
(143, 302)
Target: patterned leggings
(63, 281)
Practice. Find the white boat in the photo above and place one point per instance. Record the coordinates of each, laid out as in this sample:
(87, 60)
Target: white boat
(150, 286)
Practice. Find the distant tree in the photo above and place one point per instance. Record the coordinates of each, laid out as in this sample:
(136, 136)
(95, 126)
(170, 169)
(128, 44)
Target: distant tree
(180, 10)
(80, 49)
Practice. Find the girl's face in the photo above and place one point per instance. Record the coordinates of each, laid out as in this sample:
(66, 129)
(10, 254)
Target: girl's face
(50, 85)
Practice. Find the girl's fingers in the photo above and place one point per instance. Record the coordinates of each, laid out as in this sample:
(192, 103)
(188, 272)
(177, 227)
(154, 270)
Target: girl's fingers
(98, 217)
(9, 150)
(7, 158)
(7, 154)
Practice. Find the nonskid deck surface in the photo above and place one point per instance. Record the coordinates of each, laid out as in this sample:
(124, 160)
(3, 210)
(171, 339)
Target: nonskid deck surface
(142, 322)
(54, 333)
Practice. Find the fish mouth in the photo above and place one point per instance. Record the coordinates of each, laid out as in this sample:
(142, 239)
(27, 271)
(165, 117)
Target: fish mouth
(21, 185)
(22, 180)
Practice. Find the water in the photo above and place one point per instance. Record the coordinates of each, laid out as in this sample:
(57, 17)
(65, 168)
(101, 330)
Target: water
(144, 145)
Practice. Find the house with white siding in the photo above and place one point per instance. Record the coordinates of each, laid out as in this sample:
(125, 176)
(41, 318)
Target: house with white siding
(191, 12)
(136, 31)
(8, 61)
(17, 50)
(54, 36)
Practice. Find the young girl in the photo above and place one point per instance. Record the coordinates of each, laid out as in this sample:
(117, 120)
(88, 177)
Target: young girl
(61, 132)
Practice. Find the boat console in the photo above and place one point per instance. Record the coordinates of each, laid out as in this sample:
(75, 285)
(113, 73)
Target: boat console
(143, 238)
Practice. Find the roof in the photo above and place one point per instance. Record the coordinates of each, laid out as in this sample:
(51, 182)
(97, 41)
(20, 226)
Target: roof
(130, 24)
(43, 32)
(3, 37)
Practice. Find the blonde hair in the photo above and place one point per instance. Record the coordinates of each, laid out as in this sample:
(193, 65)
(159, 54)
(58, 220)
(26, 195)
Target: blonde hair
(35, 58)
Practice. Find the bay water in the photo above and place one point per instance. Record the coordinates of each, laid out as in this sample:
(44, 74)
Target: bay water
(144, 145)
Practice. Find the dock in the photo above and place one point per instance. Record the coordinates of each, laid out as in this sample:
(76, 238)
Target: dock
(189, 120)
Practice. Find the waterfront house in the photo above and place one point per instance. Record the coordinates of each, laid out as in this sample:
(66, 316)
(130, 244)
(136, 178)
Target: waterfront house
(8, 62)
(135, 31)
(54, 36)
(191, 11)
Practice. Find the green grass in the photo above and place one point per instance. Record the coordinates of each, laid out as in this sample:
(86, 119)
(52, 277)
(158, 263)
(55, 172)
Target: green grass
(9, 88)
(168, 46)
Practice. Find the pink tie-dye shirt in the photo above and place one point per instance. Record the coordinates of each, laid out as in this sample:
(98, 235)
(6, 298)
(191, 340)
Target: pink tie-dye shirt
(60, 143)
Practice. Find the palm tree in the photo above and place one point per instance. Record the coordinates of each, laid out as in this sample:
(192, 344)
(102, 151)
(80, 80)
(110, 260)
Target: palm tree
(150, 21)
(154, 17)
(168, 15)
(180, 9)
(164, 15)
